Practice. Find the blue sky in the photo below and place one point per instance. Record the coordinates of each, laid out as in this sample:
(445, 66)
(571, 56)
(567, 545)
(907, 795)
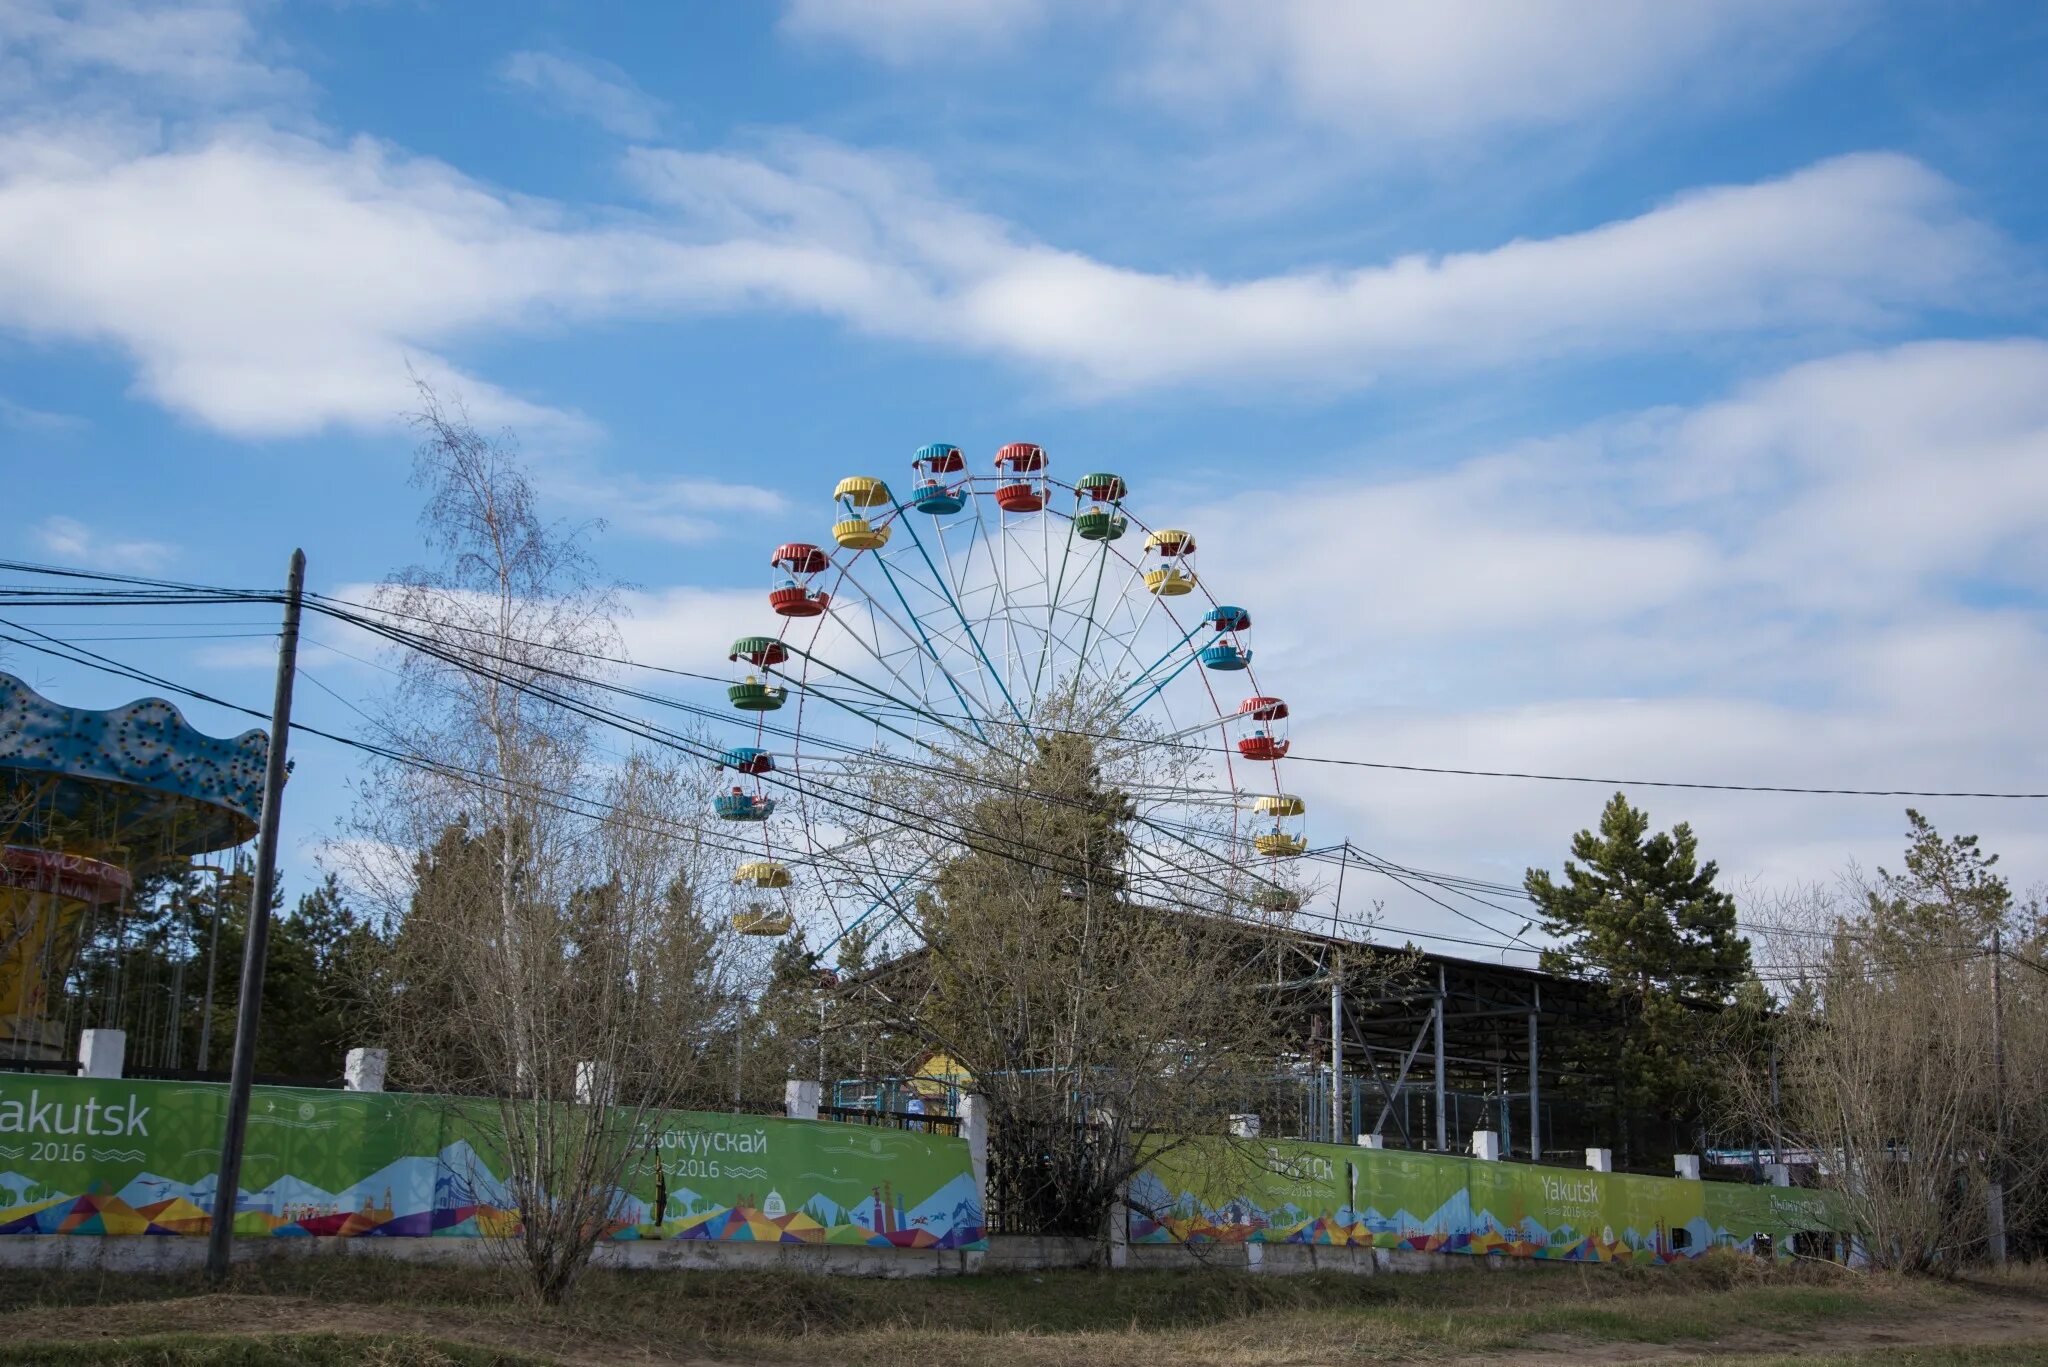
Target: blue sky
(1616, 388)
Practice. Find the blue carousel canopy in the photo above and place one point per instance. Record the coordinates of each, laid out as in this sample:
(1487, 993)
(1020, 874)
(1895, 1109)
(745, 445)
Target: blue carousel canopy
(138, 776)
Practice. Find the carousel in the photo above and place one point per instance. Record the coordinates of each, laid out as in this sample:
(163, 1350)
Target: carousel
(91, 803)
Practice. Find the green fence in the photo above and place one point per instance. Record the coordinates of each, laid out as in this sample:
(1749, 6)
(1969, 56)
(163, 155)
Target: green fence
(1231, 1191)
(110, 1157)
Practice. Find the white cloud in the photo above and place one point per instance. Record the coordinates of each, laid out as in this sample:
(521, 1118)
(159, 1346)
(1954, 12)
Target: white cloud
(1850, 242)
(1433, 69)
(587, 88)
(1401, 71)
(22, 418)
(1830, 578)
(377, 871)
(73, 543)
(686, 627)
(679, 510)
(691, 628)
(271, 284)
(207, 51)
(904, 31)
(267, 284)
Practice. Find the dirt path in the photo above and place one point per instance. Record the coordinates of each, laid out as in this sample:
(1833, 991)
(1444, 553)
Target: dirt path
(1985, 1321)
(1975, 1324)
(256, 1316)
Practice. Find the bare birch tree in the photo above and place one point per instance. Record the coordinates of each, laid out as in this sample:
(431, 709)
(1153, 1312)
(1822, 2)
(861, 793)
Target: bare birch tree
(554, 944)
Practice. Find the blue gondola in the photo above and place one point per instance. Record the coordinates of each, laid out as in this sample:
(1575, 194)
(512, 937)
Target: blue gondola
(739, 806)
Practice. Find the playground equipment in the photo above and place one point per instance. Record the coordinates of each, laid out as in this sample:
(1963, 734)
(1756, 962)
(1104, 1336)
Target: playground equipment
(90, 802)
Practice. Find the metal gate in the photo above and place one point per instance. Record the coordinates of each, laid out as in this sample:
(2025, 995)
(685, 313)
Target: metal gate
(1048, 1177)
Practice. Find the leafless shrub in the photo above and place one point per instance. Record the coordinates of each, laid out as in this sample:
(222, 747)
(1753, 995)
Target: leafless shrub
(1883, 1047)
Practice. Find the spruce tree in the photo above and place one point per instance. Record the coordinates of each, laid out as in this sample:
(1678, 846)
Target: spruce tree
(1639, 912)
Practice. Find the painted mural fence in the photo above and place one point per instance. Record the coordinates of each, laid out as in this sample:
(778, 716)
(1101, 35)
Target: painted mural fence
(113, 1157)
(1286, 1192)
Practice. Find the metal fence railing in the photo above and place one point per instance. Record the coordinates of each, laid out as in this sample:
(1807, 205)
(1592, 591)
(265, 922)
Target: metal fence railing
(920, 1121)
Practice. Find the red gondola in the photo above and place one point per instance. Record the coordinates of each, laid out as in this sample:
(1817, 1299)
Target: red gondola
(793, 595)
(1020, 493)
(1267, 738)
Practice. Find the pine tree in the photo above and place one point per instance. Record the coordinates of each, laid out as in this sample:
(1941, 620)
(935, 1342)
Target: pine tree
(1947, 896)
(1640, 912)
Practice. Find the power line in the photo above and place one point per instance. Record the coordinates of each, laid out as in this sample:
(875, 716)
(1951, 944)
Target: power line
(1408, 878)
(191, 593)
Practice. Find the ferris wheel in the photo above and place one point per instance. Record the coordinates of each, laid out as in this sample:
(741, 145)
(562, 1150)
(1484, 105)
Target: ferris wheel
(964, 615)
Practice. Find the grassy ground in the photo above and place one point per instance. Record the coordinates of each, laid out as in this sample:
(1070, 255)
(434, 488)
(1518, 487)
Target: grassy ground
(333, 1310)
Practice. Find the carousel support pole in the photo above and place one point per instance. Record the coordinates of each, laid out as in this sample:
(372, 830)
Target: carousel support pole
(226, 1193)
(220, 877)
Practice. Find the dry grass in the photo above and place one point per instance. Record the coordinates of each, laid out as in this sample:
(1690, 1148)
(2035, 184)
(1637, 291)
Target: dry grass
(1168, 1319)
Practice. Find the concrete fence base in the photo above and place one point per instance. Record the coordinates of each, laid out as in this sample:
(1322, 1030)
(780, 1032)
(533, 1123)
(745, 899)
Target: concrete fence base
(1006, 1253)
(70, 1253)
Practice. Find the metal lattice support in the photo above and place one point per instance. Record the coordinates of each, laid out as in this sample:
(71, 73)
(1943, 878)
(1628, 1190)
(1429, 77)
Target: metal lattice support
(961, 617)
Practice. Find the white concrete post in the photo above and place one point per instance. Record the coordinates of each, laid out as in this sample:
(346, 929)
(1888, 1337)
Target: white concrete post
(362, 1070)
(1778, 1174)
(1372, 1141)
(1244, 1127)
(1120, 1228)
(1486, 1145)
(594, 1084)
(1686, 1165)
(101, 1053)
(974, 1129)
(1600, 1160)
(800, 1098)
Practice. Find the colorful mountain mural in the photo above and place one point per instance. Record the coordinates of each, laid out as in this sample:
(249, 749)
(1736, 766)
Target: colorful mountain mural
(1238, 1191)
(338, 1164)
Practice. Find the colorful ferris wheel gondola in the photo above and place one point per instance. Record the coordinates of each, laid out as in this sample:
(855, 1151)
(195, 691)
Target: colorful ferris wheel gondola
(854, 530)
(747, 759)
(763, 915)
(937, 490)
(1280, 835)
(961, 633)
(1266, 739)
(798, 564)
(1020, 467)
(741, 805)
(752, 694)
(1226, 652)
(1098, 507)
(1170, 568)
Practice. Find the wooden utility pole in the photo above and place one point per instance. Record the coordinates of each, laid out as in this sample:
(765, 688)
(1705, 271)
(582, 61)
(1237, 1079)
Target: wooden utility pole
(1337, 1107)
(1997, 1193)
(220, 1238)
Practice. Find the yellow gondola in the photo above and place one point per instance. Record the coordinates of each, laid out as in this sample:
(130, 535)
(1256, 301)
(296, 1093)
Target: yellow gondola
(852, 531)
(761, 873)
(861, 491)
(1168, 582)
(1283, 840)
(1174, 575)
(760, 920)
(859, 534)
(1278, 804)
